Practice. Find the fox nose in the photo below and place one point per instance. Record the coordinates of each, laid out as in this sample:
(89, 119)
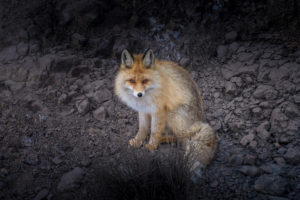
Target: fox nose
(140, 94)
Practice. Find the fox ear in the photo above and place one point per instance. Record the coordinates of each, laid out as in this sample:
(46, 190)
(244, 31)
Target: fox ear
(126, 58)
(148, 58)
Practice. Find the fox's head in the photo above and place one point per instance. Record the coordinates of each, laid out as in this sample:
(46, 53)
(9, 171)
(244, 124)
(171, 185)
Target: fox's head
(138, 73)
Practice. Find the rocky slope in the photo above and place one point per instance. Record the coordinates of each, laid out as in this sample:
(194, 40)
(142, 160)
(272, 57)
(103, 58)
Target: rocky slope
(60, 120)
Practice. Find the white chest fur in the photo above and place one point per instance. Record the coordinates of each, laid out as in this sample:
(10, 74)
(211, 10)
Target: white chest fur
(143, 104)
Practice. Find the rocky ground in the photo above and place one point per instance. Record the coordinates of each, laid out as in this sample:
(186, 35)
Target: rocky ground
(60, 122)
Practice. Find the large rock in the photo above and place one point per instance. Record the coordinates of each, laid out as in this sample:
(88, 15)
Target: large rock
(71, 179)
(237, 68)
(265, 92)
(283, 72)
(271, 184)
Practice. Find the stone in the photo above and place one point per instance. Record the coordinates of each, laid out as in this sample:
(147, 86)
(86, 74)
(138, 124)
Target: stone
(230, 88)
(250, 170)
(284, 139)
(262, 130)
(247, 139)
(101, 95)
(237, 80)
(257, 113)
(83, 106)
(250, 159)
(265, 92)
(71, 179)
(270, 184)
(62, 99)
(292, 155)
(42, 194)
(231, 36)
(285, 86)
(222, 51)
(100, 113)
(278, 120)
(280, 161)
(236, 69)
(56, 160)
(243, 57)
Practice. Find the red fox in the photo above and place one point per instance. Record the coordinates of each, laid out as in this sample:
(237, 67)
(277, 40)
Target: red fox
(168, 102)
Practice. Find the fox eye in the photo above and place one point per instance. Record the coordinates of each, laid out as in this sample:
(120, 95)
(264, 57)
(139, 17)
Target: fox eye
(131, 81)
(145, 81)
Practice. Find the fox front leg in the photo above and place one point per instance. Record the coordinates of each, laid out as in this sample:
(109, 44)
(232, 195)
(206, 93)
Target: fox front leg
(158, 123)
(144, 126)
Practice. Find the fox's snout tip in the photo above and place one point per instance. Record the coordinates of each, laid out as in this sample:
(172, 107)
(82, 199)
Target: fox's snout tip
(139, 94)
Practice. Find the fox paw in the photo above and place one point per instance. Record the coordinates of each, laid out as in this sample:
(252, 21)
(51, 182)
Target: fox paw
(135, 143)
(151, 147)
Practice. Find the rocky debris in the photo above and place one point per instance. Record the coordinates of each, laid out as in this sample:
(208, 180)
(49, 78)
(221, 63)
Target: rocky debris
(292, 155)
(270, 184)
(71, 179)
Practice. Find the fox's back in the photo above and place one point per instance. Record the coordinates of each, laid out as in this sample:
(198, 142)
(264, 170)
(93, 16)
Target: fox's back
(182, 79)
